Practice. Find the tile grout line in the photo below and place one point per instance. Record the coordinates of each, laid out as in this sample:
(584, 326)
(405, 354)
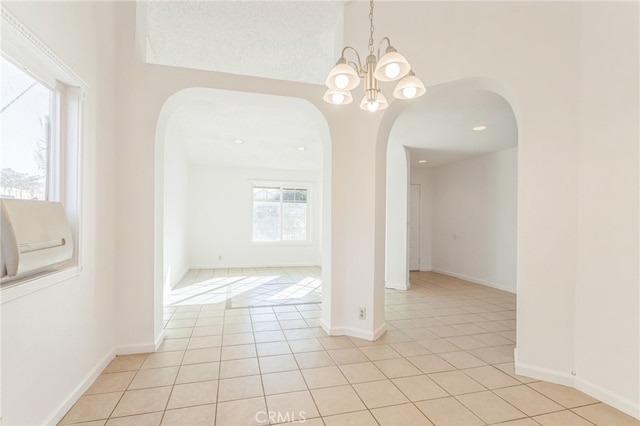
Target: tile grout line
(436, 300)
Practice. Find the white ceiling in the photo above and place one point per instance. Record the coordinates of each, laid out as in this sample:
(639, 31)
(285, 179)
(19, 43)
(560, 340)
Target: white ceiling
(438, 127)
(271, 127)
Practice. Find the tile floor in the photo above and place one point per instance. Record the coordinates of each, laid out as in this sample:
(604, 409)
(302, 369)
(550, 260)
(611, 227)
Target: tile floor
(447, 359)
(248, 287)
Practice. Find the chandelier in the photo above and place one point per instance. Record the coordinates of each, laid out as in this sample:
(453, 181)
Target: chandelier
(392, 66)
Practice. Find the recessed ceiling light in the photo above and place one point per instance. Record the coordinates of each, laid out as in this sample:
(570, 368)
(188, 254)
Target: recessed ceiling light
(481, 127)
(302, 148)
(238, 141)
(422, 161)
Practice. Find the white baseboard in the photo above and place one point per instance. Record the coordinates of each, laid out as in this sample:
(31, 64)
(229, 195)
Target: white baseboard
(380, 331)
(160, 339)
(545, 374)
(625, 405)
(265, 265)
(66, 405)
(473, 280)
(180, 277)
(68, 402)
(137, 349)
(325, 327)
(423, 269)
(397, 286)
(354, 332)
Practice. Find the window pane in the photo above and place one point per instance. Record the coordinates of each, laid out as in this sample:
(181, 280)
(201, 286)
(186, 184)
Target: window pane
(266, 193)
(25, 145)
(274, 194)
(266, 221)
(279, 214)
(294, 195)
(294, 221)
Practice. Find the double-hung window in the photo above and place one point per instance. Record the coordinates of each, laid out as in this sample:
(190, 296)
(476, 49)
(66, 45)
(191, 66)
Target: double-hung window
(280, 213)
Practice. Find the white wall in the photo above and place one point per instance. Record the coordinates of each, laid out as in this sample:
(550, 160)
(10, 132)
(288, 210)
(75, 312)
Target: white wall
(607, 291)
(474, 219)
(56, 340)
(397, 204)
(220, 219)
(176, 203)
(537, 72)
(423, 176)
(557, 88)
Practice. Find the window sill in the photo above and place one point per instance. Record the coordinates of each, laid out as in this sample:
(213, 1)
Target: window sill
(21, 288)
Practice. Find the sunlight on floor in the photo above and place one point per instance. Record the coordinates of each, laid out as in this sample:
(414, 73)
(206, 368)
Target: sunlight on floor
(299, 290)
(247, 287)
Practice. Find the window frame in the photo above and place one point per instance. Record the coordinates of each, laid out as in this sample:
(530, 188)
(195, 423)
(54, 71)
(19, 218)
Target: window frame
(21, 47)
(54, 151)
(282, 185)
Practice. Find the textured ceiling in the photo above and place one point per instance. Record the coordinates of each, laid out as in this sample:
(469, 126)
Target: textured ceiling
(293, 41)
(271, 127)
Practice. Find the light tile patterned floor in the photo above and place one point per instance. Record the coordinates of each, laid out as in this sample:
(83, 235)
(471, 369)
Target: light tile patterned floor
(248, 287)
(447, 359)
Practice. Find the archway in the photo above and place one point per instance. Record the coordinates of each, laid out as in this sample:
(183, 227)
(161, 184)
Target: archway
(304, 119)
(438, 129)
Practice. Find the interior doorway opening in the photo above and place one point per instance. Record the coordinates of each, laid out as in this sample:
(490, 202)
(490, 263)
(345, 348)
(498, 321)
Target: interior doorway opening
(457, 148)
(218, 149)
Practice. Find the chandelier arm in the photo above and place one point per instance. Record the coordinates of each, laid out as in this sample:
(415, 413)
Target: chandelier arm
(355, 67)
(380, 44)
(358, 66)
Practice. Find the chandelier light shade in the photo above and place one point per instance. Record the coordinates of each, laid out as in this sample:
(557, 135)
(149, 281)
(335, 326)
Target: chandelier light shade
(343, 77)
(392, 66)
(409, 87)
(338, 97)
(377, 104)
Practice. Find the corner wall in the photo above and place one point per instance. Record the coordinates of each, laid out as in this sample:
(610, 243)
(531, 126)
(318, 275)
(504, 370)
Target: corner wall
(175, 212)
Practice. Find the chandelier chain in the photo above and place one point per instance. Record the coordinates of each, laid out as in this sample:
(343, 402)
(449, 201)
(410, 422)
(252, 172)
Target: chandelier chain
(371, 28)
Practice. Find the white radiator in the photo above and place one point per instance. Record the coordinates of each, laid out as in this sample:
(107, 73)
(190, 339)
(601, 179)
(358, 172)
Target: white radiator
(35, 236)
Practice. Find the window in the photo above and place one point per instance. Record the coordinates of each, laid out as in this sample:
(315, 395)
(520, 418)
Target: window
(40, 111)
(28, 113)
(280, 213)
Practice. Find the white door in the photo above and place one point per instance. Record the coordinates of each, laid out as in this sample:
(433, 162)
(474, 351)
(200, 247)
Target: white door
(414, 228)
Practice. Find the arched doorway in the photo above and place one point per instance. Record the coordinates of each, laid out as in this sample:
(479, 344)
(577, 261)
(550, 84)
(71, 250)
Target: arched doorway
(455, 234)
(250, 138)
